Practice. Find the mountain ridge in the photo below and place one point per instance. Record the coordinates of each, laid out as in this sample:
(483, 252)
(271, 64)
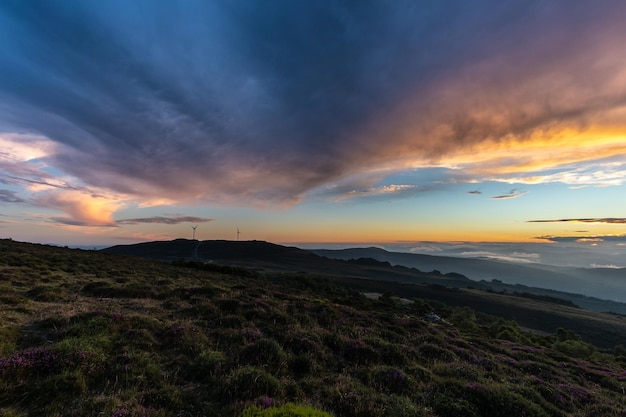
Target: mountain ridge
(265, 255)
(603, 283)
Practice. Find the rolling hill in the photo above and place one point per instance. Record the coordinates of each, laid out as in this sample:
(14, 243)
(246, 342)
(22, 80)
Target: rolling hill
(86, 333)
(534, 308)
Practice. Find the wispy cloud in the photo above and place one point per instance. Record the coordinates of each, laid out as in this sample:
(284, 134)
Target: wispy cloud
(608, 220)
(514, 193)
(593, 239)
(165, 220)
(605, 266)
(517, 257)
(424, 249)
(383, 191)
(7, 196)
(475, 192)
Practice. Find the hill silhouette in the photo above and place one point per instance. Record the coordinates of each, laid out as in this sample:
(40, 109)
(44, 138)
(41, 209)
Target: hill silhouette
(270, 256)
(217, 250)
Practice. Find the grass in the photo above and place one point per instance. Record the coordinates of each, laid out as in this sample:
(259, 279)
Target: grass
(85, 333)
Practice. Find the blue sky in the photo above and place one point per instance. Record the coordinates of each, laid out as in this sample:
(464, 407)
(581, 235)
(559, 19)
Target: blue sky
(313, 122)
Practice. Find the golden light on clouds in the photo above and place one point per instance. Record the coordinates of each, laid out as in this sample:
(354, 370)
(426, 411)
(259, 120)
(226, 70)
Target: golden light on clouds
(524, 161)
(83, 209)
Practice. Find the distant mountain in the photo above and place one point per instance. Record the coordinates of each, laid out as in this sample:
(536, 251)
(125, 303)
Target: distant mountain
(380, 265)
(603, 283)
(265, 255)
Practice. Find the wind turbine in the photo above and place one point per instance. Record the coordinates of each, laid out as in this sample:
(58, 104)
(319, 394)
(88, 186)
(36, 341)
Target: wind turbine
(194, 232)
(238, 233)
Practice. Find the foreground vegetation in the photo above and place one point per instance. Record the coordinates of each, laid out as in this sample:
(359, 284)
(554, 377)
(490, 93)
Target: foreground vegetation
(85, 333)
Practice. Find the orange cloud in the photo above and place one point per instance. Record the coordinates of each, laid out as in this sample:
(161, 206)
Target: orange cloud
(81, 209)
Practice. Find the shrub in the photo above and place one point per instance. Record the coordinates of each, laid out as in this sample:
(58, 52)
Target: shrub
(501, 401)
(431, 352)
(302, 343)
(287, 410)
(8, 340)
(66, 384)
(359, 352)
(446, 406)
(387, 379)
(396, 405)
(265, 352)
(248, 383)
(506, 330)
(207, 364)
(349, 397)
(575, 348)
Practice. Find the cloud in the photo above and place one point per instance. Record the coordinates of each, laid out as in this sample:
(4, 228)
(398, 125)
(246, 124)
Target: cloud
(424, 249)
(514, 193)
(257, 103)
(594, 171)
(605, 266)
(517, 257)
(7, 196)
(608, 220)
(475, 192)
(380, 192)
(593, 239)
(82, 209)
(165, 220)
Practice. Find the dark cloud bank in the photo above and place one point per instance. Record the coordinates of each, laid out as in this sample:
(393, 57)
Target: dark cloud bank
(165, 220)
(262, 101)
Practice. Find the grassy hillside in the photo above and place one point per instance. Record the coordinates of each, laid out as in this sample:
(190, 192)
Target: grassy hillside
(533, 308)
(85, 333)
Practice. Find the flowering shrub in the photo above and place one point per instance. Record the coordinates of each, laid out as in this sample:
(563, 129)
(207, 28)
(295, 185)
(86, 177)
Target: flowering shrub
(37, 361)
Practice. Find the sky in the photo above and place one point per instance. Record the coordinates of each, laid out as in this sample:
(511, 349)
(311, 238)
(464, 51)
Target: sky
(315, 122)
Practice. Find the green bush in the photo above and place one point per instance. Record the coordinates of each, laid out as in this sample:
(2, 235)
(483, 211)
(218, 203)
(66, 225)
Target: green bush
(8, 340)
(287, 410)
(206, 365)
(575, 348)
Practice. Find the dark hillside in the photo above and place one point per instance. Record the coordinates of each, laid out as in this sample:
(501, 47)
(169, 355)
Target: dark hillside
(86, 333)
(269, 256)
(217, 250)
(544, 315)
